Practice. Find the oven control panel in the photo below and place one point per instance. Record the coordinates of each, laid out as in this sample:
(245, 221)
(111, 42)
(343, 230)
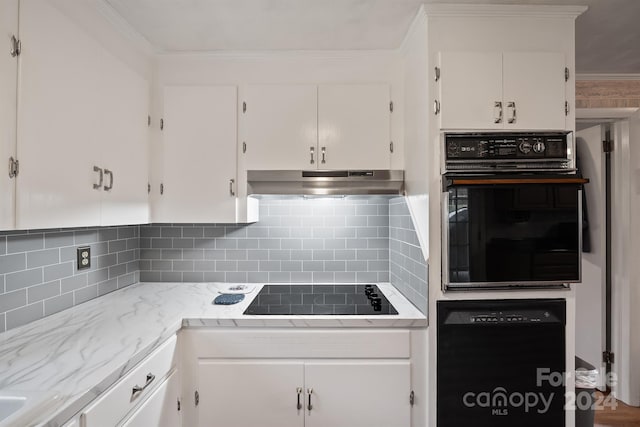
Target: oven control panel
(464, 151)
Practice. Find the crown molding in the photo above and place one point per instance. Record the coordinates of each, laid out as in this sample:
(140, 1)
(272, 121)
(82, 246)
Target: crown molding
(606, 77)
(500, 10)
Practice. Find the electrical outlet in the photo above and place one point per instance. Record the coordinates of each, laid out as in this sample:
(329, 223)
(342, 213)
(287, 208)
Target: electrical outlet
(84, 258)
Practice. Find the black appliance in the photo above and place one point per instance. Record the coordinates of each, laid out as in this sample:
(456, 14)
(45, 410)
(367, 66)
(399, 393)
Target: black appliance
(500, 363)
(512, 212)
(303, 299)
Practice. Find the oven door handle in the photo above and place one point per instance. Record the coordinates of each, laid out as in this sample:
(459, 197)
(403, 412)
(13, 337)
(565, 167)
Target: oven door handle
(514, 181)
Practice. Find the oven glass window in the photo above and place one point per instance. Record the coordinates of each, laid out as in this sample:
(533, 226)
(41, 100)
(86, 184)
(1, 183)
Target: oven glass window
(525, 233)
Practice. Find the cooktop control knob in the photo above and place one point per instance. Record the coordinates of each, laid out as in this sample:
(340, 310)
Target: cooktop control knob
(525, 147)
(539, 147)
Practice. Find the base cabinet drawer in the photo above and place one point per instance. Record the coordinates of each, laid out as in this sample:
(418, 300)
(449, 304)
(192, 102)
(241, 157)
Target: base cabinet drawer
(114, 405)
(161, 409)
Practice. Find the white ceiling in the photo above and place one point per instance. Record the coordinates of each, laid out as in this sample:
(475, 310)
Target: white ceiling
(607, 35)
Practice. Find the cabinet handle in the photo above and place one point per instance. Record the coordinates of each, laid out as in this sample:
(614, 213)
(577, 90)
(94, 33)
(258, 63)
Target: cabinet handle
(299, 391)
(110, 186)
(231, 192)
(498, 105)
(512, 106)
(137, 389)
(311, 151)
(436, 107)
(99, 184)
(309, 393)
(16, 47)
(324, 152)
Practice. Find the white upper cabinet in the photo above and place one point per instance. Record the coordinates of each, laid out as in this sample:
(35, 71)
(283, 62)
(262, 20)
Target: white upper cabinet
(199, 155)
(58, 121)
(354, 126)
(280, 127)
(82, 131)
(470, 89)
(488, 90)
(293, 127)
(8, 76)
(534, 90)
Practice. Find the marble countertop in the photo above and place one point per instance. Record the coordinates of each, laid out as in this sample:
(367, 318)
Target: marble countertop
(79, 353)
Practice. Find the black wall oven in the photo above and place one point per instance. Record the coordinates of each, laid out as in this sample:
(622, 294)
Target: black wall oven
(510, 221)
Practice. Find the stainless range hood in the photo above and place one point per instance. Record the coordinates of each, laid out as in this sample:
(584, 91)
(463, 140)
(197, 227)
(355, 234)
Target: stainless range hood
(329, 183)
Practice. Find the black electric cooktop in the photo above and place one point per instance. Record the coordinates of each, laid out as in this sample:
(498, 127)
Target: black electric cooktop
(320, 299)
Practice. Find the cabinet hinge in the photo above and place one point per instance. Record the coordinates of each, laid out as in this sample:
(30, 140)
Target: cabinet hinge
(391, 106)
(608, 357)
(244, 107)
(14, 167)
(566, 74)
(197, 397)
(16, 47)
(566, 108)
(178, 405)
(412, 398)
(148, 188)
(244, 147)
(437, 73)
(391, 146)
(607, 146)
(161, 124)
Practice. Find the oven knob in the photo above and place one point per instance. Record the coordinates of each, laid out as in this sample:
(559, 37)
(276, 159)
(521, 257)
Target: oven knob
(453, 149)
(539, 147)
(525, 147)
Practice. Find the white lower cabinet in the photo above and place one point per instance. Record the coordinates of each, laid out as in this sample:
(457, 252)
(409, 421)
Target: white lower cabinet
(147, 395)
(243, 393)
(297, 378)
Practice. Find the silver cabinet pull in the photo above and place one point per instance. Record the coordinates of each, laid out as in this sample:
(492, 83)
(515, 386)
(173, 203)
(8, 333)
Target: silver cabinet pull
(436, 107)
(137, 389)
(324, 152)
(299, 391)
(512, 106)
(312, 150)
(231, 192)
(498, 118)
(110, 186)
(99, 184)
(309, 393)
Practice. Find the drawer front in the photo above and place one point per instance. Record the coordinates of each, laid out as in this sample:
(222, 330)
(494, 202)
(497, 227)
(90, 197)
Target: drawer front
(161, 408)
(370, 343)
(116, 402)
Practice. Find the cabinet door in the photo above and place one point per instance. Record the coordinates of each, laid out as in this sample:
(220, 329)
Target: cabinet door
(123, 140)
(354, 126)
(199, 154)
(161, 408)
(535, 83)
(8, 82)
(243, 393)
(60, 67)
(358, 393)
(470, 87)
(280, 127)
